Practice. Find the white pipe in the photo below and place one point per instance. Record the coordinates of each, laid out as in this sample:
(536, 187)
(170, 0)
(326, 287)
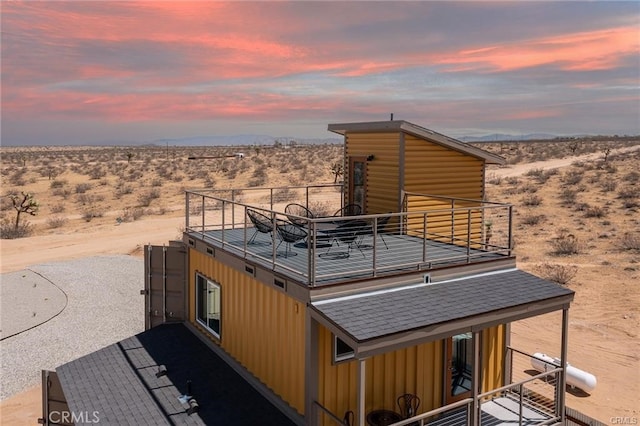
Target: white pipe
(575, 377)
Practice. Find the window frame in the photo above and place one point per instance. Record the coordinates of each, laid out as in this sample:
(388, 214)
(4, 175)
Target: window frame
(210, 284)
(344, 356)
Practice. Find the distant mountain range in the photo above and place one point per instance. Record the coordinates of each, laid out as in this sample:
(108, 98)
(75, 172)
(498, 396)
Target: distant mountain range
(504, 137)
(242, 140)
(238, 140)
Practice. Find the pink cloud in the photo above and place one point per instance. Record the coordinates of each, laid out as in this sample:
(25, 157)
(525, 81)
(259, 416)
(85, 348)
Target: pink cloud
(594, 50)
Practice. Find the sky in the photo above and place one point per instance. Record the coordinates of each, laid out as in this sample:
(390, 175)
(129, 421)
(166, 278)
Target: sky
(80, 72)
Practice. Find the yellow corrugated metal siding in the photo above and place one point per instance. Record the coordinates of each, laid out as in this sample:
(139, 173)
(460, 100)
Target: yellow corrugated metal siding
(493, 357)
(382, 173)
(433, 169)
(417, 370)
(262, 328)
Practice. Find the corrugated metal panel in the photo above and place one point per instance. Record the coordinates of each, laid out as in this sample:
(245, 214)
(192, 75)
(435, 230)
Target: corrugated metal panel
(382, 172)
(434, 169)
(417, 370)
(493, 357)
(262, 327)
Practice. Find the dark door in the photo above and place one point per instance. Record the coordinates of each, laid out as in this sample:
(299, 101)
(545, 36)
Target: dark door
(55, 410)
(459, 362)
(165, 288)
(358, 182)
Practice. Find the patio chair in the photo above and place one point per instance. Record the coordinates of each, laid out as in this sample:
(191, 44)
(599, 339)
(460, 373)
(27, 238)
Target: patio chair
(295, 212)
(289, 234)
(381, 228)
(408, 405)
(349, 210)
(349, 233)
(262, 223)
(348, 419)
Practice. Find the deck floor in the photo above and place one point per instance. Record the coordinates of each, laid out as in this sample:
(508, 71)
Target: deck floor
(501, 411)
(334, 262)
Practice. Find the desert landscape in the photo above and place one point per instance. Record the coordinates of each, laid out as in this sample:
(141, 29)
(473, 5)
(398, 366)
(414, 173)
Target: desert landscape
(577, 222)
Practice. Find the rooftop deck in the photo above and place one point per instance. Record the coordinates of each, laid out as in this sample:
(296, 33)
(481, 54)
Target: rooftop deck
(333, 249)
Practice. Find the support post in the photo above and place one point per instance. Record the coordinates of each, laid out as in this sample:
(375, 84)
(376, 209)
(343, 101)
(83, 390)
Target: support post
(562, 382)
(475, 382)
(361, 391)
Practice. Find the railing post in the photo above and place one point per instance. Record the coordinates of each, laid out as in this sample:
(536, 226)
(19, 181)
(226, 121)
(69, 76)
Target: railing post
(561, 383)
(509, 243)
(186, 210)
(203, 213)
(223, 227)
(468, 235)
(424, 237)
(233, 209)
(520, 408)
(453, 220)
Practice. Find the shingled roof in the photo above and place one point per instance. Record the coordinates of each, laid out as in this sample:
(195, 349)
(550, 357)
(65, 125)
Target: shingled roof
(470, 301)
(119, 383)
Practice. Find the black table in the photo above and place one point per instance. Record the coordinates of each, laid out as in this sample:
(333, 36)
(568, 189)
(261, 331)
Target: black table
(382, 417)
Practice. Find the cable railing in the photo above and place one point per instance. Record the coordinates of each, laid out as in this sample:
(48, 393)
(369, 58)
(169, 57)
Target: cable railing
(455, 232)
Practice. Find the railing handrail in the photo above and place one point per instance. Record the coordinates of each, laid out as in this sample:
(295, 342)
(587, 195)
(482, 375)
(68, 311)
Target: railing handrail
(433, 412)
(444, 197)
(329, 413)
(218, 211)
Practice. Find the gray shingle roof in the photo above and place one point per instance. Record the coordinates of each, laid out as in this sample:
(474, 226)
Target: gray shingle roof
(377, 314)
(119, 383)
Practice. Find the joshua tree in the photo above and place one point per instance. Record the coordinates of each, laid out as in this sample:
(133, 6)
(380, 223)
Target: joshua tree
(336, 169)
(130, 155)
(24, 204)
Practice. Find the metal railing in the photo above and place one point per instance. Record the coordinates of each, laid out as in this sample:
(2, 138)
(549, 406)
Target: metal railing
(441, 234)
(535, 397)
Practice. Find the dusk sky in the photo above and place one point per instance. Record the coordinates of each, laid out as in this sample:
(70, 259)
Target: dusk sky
(82, 72)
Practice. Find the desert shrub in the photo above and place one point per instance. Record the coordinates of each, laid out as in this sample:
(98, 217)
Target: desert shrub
(321, 208)
(512, 180)
(56, 221)
(58, 183)
(595, 211)
(561, 274)
(532, 200)
(532, 219)
(608, 186)
(81, 188)
(568, 196)
(630, 241)
(9, 231)
(97, 172)
(565, 244)
(628, 193)
(632, 177)
(573, 177)
(129, 214)
(156, 182)
(61, 192)
(285, 194)
(494, 180)
(535, 173)
(146, 197)
(57, 208)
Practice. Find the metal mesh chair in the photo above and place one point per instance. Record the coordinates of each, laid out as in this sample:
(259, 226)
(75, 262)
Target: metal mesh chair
(289, 234)
(296, 212)
(408, 404)
(262, 224)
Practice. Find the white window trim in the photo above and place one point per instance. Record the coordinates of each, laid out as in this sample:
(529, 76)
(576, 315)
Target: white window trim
(198, 320)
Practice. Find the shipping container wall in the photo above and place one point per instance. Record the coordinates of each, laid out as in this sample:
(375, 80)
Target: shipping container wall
(417, 370)
(262, 327)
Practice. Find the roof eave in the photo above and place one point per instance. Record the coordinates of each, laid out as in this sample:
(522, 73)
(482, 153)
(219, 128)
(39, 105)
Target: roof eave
(421, 132)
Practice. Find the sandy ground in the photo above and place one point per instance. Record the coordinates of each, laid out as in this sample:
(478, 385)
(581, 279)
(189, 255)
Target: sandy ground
(609, 352)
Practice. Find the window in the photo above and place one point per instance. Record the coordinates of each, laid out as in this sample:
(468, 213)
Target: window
(208, 305)
(341, 351)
